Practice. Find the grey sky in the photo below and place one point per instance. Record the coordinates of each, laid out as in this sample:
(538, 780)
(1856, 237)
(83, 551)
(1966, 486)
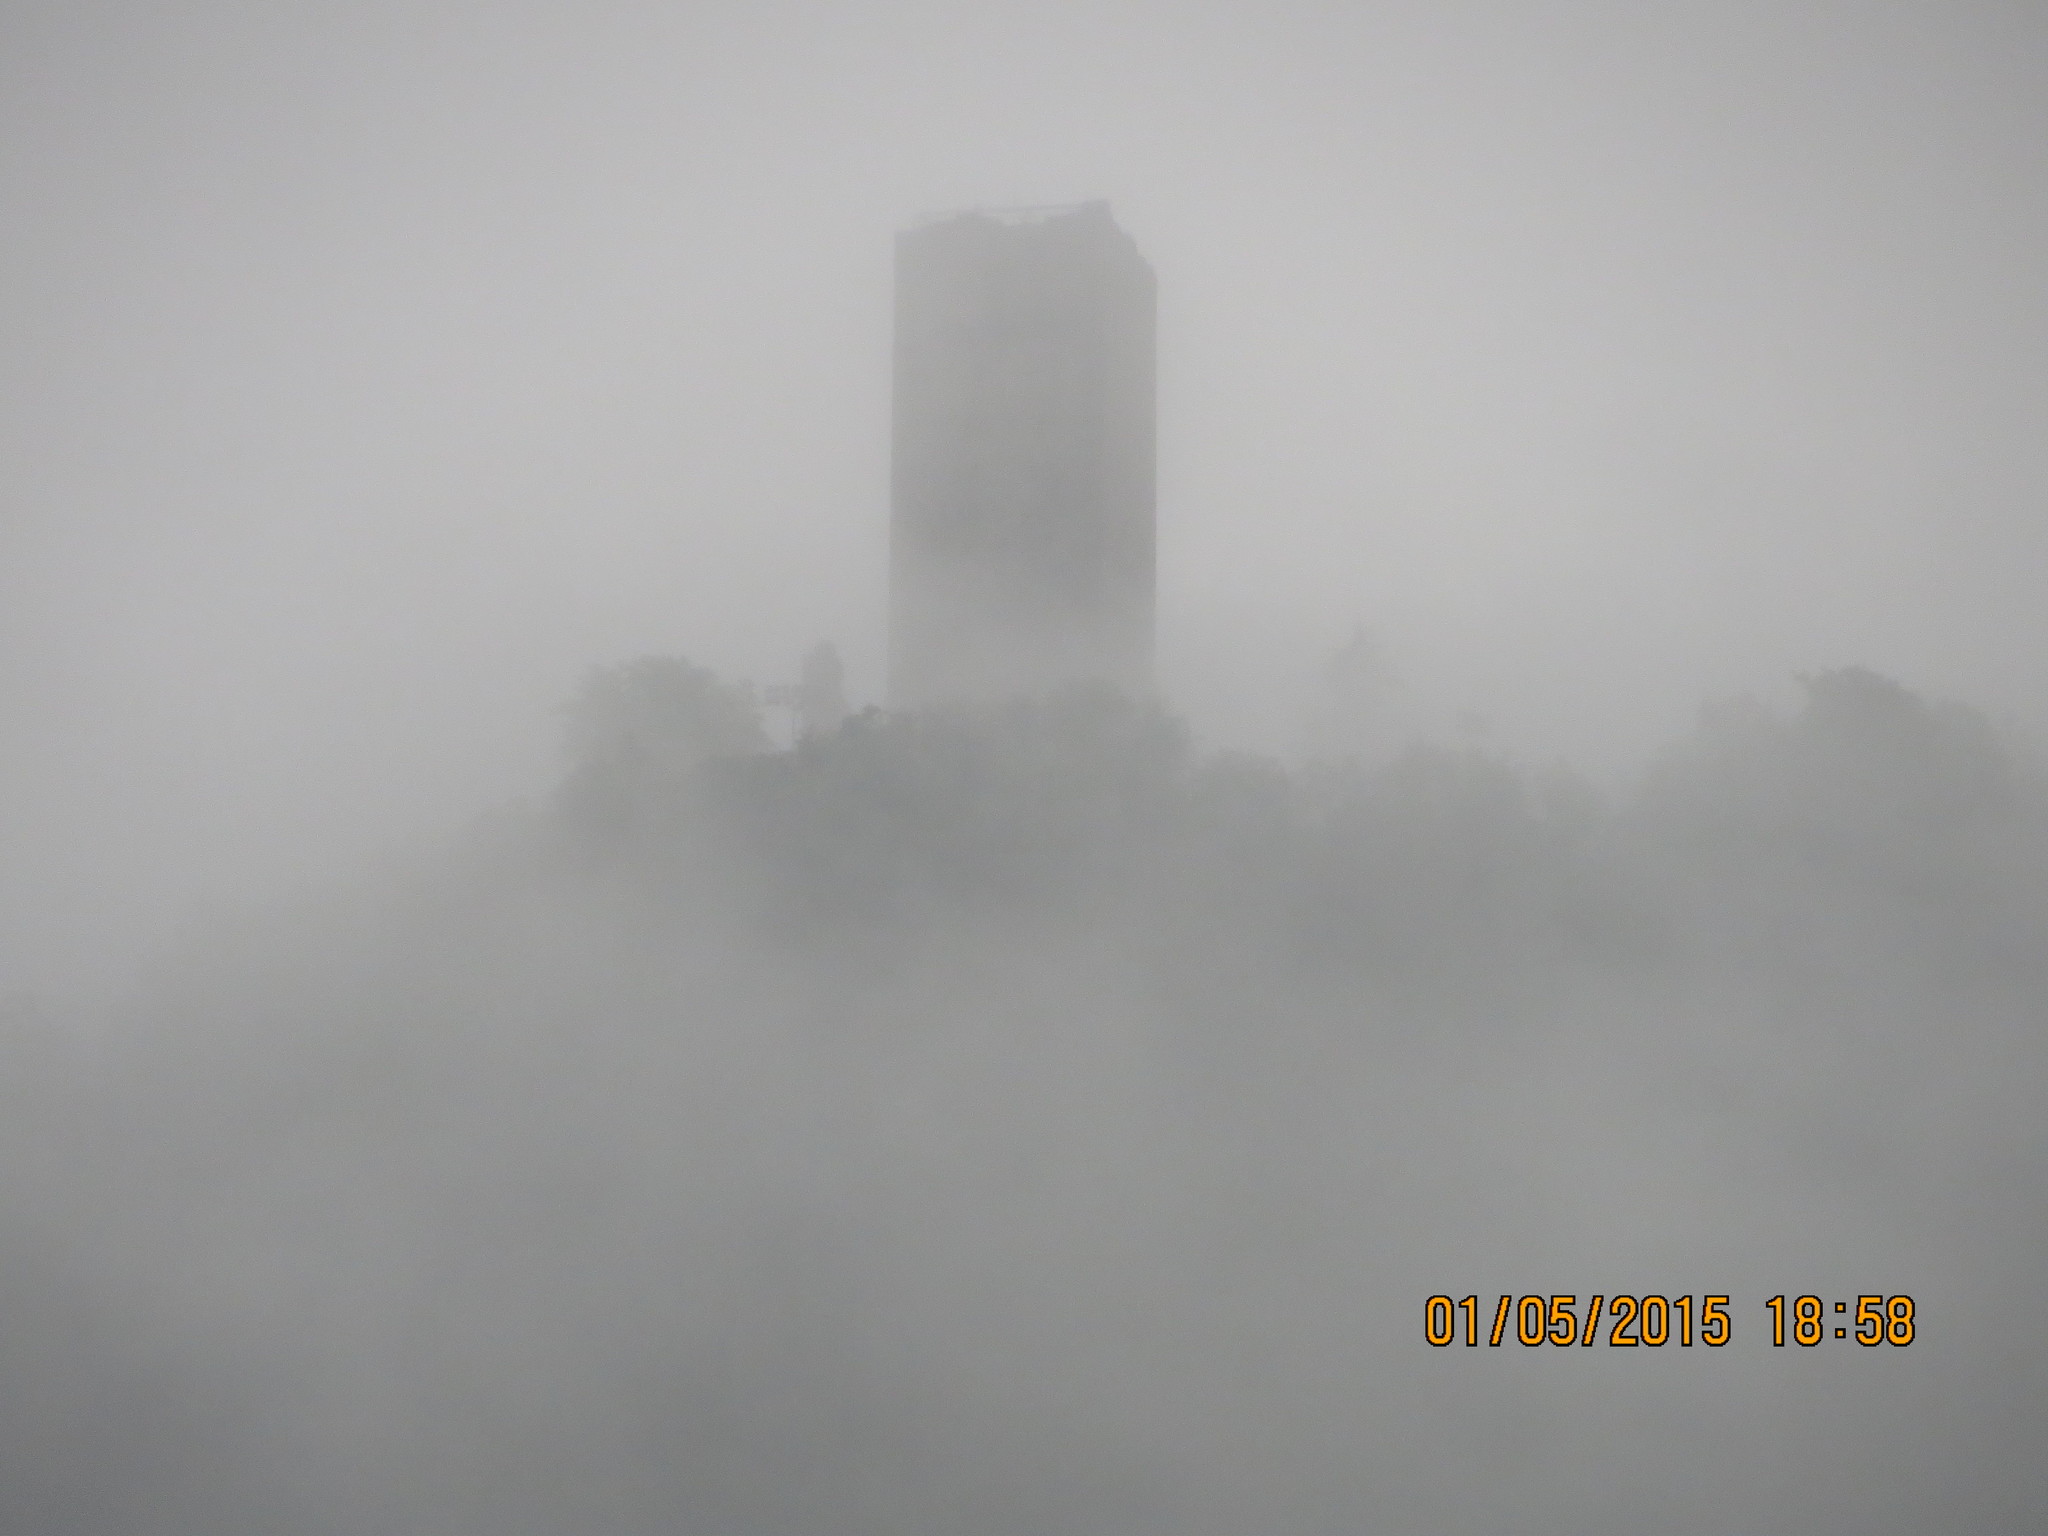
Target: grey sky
(370, 371)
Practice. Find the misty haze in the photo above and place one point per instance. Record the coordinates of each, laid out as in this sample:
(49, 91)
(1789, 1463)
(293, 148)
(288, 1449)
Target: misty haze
(779, 769)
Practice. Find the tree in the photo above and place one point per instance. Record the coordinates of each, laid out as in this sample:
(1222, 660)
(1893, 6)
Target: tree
(660, 713)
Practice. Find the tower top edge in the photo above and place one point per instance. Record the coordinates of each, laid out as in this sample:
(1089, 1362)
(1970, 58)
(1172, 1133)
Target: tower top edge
(1038, 213)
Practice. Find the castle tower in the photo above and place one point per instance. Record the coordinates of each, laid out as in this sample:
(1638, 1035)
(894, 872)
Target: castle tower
(1021, 523)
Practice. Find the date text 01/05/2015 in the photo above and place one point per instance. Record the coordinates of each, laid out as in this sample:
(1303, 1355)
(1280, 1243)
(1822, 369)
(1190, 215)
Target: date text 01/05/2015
(1637, 1321)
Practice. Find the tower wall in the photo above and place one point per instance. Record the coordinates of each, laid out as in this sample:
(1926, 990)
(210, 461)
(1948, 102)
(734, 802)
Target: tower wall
(1022, 517)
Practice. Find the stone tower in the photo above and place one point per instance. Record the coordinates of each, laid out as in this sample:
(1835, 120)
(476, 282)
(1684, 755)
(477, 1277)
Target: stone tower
(1021, 523)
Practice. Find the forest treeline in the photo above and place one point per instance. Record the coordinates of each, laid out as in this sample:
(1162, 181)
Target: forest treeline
(1870, 827)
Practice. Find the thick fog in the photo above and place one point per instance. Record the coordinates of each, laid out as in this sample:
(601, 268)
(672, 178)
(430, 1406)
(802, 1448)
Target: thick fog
(467, 1065)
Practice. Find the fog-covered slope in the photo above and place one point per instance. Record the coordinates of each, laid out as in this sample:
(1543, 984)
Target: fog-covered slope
(1020, 1121)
